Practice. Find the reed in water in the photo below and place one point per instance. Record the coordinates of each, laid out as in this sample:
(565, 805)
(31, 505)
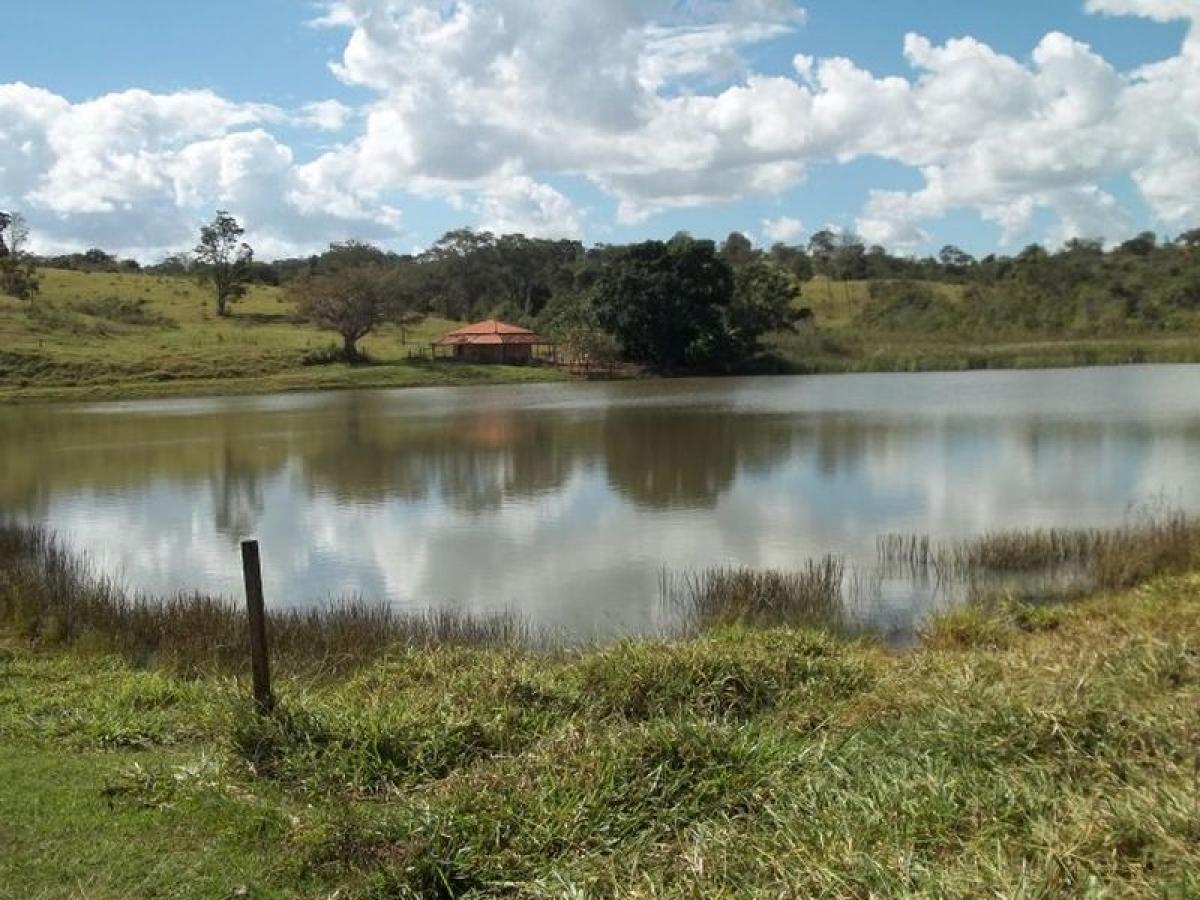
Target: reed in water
(1149, 544)
(53, 596)
(810, 596)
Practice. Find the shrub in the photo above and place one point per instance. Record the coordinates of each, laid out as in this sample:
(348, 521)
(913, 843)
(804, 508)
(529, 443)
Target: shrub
(126, 312)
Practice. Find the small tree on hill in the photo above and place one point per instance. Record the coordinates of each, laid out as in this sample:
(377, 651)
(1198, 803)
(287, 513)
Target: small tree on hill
(1142, 245)
(737, 250)
(353, 302)
(955, 260)
(18, 274)
(226, 258)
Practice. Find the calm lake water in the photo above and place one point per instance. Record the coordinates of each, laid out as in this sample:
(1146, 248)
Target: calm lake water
(566, 502)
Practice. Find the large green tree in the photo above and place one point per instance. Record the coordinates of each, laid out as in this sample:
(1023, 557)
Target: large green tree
(471, 274)
(353, 302)
(351, 254)
(462, 272)
(1189, 238)
(667, 303)
(738, 250)
(793, 259)
(764, 300)
(531, 271)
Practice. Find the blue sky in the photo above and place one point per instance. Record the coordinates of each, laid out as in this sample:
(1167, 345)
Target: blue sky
(263, 61)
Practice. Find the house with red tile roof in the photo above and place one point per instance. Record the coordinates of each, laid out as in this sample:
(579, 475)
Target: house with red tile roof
(494, 342)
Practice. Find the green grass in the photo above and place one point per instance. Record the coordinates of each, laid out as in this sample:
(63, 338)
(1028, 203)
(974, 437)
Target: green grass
(830, 351)
(109, 787)
(1021, 750)
(812, 596)
(1014, 754)
(844, 339)
(99, 336)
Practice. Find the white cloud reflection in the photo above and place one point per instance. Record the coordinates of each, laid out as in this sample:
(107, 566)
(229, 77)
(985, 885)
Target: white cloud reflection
(567, 501)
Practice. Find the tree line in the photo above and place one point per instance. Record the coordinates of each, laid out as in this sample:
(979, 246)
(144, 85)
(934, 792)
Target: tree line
(676, 305)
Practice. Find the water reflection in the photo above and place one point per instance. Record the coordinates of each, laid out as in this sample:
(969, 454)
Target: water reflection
(237, 495)
(567, 500)
(662, 459)
(471, 461)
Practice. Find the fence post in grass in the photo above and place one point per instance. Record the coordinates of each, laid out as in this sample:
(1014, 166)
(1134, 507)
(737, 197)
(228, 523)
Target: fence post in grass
(259, 666)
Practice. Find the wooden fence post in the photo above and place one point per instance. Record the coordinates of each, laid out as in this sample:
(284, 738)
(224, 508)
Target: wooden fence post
(259, 665)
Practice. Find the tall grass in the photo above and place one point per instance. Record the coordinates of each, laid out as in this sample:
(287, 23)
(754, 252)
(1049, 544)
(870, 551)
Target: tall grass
(811, 596)
(1151, 543)
(1025, 566)
(52, 596)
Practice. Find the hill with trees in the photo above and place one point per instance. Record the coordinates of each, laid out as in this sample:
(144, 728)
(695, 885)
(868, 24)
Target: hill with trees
(219, 319)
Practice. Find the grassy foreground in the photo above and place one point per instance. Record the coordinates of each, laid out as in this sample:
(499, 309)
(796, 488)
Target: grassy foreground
(1019, 751)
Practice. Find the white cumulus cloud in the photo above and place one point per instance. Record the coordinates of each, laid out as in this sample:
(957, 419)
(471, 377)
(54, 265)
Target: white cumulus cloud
(325, 115)
(653, 102)
(1160, 10)
(135, 172)
(499, 106)
(785, 230)
(520, 205)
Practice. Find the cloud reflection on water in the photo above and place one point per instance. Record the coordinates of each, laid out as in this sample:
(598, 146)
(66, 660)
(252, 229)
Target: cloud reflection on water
(565, 501)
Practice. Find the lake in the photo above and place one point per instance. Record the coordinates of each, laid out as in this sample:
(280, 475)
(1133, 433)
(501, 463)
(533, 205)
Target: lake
(566, 502)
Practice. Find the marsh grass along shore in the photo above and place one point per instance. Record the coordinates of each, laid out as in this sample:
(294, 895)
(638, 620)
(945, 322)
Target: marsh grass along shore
(1021, 750)
(51, 596)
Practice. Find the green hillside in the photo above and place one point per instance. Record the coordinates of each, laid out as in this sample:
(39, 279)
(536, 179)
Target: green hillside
(101, 336)
(915, 325)
(120, 335)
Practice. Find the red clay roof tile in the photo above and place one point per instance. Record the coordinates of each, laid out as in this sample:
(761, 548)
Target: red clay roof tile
(492, 332)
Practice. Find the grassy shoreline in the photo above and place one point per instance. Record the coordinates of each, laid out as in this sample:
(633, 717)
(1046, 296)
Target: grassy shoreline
(1020, 750)
(879, 359)
(337, 377)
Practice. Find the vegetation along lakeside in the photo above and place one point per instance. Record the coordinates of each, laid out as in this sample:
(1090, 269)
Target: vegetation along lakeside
(91, 326)
(1025, 747)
